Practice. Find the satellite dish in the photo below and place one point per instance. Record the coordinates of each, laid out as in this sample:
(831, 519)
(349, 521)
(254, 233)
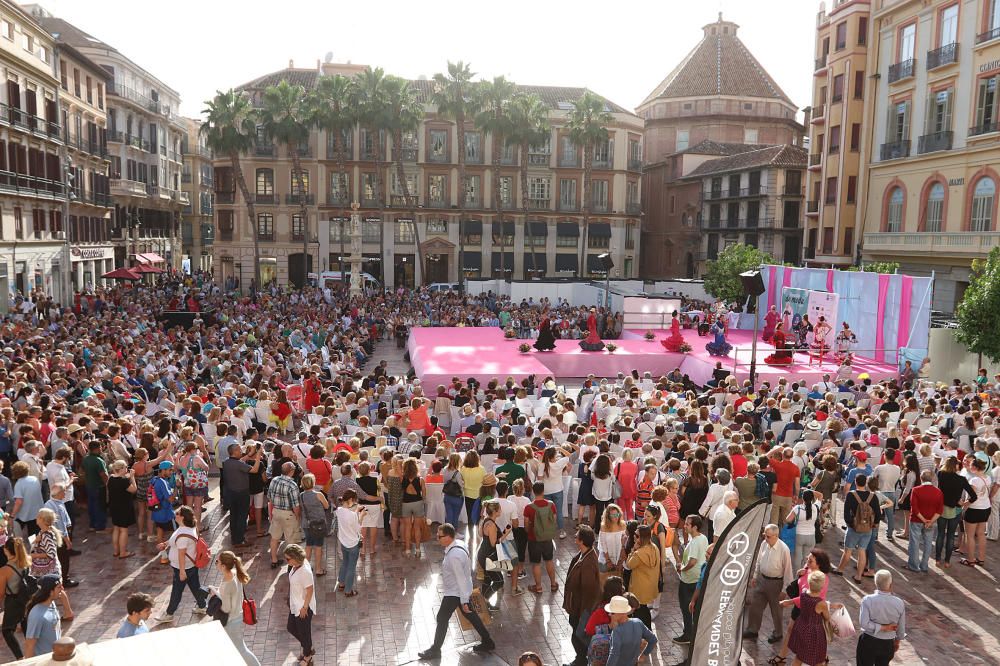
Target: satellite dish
(328, 58)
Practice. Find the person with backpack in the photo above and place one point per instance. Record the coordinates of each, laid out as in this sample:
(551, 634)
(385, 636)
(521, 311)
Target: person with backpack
(43, 627)
(541, 522)
(184, 552)
(860, 512)
(631, 639)
(18, 586)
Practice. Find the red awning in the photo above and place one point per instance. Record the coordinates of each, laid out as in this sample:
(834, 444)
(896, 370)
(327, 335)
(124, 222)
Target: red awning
(150, 258)
(146, 268)
(122, 274)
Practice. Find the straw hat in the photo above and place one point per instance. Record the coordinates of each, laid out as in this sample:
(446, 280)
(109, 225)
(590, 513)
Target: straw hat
(618, 605)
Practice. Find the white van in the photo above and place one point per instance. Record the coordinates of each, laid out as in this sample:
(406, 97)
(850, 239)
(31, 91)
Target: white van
(332, 278)
(443, 286)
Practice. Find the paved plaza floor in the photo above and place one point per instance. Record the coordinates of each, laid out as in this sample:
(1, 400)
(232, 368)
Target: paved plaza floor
(952, 616)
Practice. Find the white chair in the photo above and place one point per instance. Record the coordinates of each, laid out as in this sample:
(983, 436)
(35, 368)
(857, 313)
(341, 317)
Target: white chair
(964, 443)
(313, 419)
(777, 427)
(427, 459)
(874, 455)
(924, 422)
(456, 420)
(442, 409)
(569, 418)
(488, 461)
(209, 431)
(435, 502)
(263, 412)
(583, 411)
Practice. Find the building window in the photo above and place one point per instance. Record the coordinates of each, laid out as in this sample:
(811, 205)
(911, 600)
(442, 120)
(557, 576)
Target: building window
(852, 189)
(994, 16)
(539, 189)
(506, 187)
(831, 190)
(632, 195)
(403, 232)
(300, 182)
(7, 29)
(835, 139)
(949, 25)
(907, 41)
(935, 208)
(473, 148)
(265, 182)
(983, 197)
(634, 152)
(604, 153)
(599, 195)
(838, 88)
(473, 193)
(683, 139)
(894, 211)
(939, 112)
(841, 42)
(750, 136)
(371, 230)
(986, 105)
(855, 137)
(862, 30)
(368, 187)
(28, 42)
(298, 227)
(899, 122)
(567, 194)
(338, 187)
(859, 84)
(437, 191)
(438, 146)
(338, 232)
(437, 226)
(411, 185)
(265, 226)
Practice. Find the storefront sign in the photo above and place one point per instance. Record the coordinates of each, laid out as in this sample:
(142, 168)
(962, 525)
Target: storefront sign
(955, 182)
(989, 66)
(87, 252)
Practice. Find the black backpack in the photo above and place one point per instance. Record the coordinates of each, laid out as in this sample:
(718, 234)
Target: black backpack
(29, 585)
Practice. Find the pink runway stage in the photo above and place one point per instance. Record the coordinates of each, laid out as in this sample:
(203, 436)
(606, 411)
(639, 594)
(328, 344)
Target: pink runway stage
(438, 354)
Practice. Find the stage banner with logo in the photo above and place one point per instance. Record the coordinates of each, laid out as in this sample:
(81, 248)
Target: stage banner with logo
(797, 302)
(718, 637)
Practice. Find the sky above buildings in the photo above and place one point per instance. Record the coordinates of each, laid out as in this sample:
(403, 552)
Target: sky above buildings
(620, 50)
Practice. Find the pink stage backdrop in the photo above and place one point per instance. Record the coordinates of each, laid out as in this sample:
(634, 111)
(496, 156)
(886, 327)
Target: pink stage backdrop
(438, 354)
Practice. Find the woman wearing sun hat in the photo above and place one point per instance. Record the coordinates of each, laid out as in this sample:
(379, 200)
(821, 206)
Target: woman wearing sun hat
(630, 638)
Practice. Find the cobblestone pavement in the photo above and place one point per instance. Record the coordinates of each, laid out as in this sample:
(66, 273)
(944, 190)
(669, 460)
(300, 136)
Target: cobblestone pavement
(952, 616)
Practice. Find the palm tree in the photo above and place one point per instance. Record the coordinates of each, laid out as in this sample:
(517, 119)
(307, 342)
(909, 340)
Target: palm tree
(404, 115)
(588, 123)
(368, 97)
(529, 126)
(453, 95)
(331, 110)
(285, 118)
(494, 117)
(230, 130)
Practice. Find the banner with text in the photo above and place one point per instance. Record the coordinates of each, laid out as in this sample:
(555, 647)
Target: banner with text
(718, 632)
(797, 302)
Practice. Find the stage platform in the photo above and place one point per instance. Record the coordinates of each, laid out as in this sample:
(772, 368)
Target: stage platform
(438, 354)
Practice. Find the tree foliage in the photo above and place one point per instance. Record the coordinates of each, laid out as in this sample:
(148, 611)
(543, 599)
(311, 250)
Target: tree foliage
(888, 267)
(722, 276)
(979, 310)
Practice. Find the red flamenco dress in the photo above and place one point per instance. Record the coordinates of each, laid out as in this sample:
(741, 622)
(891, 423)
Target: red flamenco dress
(781, 355)
(593, 341)
(675, 340)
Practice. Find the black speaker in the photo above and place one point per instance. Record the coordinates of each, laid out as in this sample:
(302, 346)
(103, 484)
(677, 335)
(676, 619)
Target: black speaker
(753, 283)
(606, 263)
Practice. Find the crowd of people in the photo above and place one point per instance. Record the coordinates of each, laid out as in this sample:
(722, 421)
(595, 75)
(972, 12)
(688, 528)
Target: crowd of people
(317, 447)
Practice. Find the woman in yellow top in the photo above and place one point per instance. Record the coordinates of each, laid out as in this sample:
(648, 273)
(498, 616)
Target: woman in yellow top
(644, 563)
(472, 480)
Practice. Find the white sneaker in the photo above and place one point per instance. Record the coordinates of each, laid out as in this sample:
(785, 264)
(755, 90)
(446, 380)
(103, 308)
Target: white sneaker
(151, 539)
(166, 617)
(199, 611)
(562, 535)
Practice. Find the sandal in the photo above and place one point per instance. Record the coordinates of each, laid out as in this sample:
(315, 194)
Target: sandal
(535, 589)
(340, 587)
(126, 555)
(968, 563)
(554, 588)
(352, 593)
(776, 660)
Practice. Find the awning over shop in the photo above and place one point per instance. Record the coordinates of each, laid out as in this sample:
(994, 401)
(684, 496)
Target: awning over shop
(471, 227)
(602, 229)
(150, 258)
(595, 266)
(566, 263)
(529, 262)
(508, 261)
(567, 229)
(472, 261)
(538, 229)
(508, 228)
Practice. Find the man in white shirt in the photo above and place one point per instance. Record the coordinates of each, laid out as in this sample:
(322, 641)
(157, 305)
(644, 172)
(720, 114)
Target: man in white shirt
(774, 573)
(888, 474)
(725, 514)
(825, 386)
(714, 498)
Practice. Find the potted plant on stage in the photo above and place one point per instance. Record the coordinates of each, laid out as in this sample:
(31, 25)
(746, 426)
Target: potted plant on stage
(524, 348)
(510, 334)
(611, 347)
(685, 348)
(649, 336)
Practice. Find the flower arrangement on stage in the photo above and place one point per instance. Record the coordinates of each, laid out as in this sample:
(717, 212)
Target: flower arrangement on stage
(524, 348)
(611, 347)
(685, 348)
(649, 336)
(510, 334)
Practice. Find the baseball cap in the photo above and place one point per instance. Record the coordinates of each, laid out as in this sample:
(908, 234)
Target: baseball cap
(166, 464)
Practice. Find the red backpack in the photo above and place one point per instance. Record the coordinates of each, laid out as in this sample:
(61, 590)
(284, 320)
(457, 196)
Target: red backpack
(202, 554)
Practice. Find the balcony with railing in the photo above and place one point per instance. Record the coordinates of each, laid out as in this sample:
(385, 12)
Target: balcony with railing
(946, 55)
(607, 163)
(930, 143)
(438, 158)
(207, 179)
(569, 161)
(159, 192)
(125, 187)
(264, 150)
(819, 63)
(538, 204)
(812, 207)
(186, 177)
(539, 159)
(174, 156)
(894, 151)
(902, 70)
(225, 197)
(634, 164)
(409, 154)
(181, 197)
(985, 128)
(815, 160)
(633, 208)
(988, 36)
(24, 185)
(569, 206)
(303, 151)
(929, 243)
(39, 126)
(473, 201)
(337, 199)
(120, 90)
(116, 136)
(207, 208)
(298, 199)
(437, 202)
(266, 199)
(137, 142)
(792, 190)
(600, 207)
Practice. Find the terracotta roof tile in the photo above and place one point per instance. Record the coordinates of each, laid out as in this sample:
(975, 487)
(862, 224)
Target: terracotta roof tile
(782, 157)
(709, 147)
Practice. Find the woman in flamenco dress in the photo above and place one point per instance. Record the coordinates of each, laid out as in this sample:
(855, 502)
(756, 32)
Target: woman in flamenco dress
(820, 344)
(546, 340)
(781, 355)
(719, 346)
(674, 342)
(593, 341)
(770, 323)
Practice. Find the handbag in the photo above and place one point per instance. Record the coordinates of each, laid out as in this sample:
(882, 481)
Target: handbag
(616, 486)
(195, 478)
(249, 609)
(452, 487)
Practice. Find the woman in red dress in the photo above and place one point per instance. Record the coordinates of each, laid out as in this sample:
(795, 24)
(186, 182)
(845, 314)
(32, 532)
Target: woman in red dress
(593, 341)
(674, 342)
(781, 355)
(311, 387)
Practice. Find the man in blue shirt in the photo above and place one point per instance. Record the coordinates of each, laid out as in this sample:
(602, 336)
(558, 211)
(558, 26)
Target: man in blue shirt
(44, 627)
(882, 620)
(139, 607)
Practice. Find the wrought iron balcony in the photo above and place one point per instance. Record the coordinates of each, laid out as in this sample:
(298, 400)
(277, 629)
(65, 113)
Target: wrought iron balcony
(335, 199)
(538, 159)
(634, 164)
(265, 150)
(600, 207)
(569, 206)
(902, 70)
(792, 190)
(25, 185)
(186, 177)
(538, 204)
(225, 197)
(298, 199)
(437, 203)
(267, 199)
(408, 154)
(988, 36)
(570, 161)
(812, 206)
(633, 209)
(116, 136)
(930, 143)
(604, 164)
(438, 158)
(895, 150)
(985, 128)
(945, 55)
(815, 159)
(123, 186)
(820, 63)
